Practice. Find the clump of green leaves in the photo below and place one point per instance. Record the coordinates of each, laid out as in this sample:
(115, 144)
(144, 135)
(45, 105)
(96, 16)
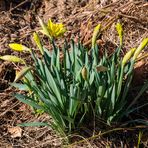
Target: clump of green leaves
(81, 86)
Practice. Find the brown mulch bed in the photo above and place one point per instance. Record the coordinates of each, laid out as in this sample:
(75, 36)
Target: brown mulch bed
(18, 20)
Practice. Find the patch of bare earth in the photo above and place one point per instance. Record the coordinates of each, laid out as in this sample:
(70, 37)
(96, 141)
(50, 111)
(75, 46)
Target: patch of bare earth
(18, 20)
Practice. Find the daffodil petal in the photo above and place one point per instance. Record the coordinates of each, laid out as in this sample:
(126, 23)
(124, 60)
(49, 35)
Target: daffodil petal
(44, 27)
(55, 29)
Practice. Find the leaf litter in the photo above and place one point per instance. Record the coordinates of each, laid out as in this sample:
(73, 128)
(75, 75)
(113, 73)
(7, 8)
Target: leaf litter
(19, 21)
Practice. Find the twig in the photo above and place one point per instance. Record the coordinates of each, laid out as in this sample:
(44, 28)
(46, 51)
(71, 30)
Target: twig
(107, 132)
(142, 57)
(20, 4)
(133, 18)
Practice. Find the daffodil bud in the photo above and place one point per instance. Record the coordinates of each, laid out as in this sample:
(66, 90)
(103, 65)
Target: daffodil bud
(95, 34)
(128, 55)
(11, 58)
(120, 32)
(22, 73)
(38, 42)
(140, 47)
(84, 73)
(101, 68)
(18, 47)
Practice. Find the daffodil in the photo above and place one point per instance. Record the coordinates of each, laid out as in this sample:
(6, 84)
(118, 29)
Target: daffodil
(53, 30)
(120, 32)
(12, 58)
(140, 47)
(38, 42)
(22, 73)
(95, 34)
(128, 55)
(84, 73)
(18, 47)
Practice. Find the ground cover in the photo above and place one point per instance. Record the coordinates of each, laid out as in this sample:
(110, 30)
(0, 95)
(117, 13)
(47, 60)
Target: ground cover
(19, 21)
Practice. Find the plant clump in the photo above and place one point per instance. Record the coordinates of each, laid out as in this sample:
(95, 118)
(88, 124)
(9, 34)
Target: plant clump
(82, 86)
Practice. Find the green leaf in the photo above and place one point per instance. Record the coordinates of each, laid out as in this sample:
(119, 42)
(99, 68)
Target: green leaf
(28, 101)
(92, 77)
(58, 59)
(113, 96)
(20, 86)
(54, 87)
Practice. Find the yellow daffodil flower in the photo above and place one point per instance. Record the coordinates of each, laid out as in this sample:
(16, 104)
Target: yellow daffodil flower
(53, 30)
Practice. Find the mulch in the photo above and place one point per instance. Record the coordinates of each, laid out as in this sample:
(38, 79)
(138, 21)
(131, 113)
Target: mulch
(18, 22)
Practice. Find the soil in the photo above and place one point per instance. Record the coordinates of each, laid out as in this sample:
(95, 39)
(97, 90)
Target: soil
(18, 20)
